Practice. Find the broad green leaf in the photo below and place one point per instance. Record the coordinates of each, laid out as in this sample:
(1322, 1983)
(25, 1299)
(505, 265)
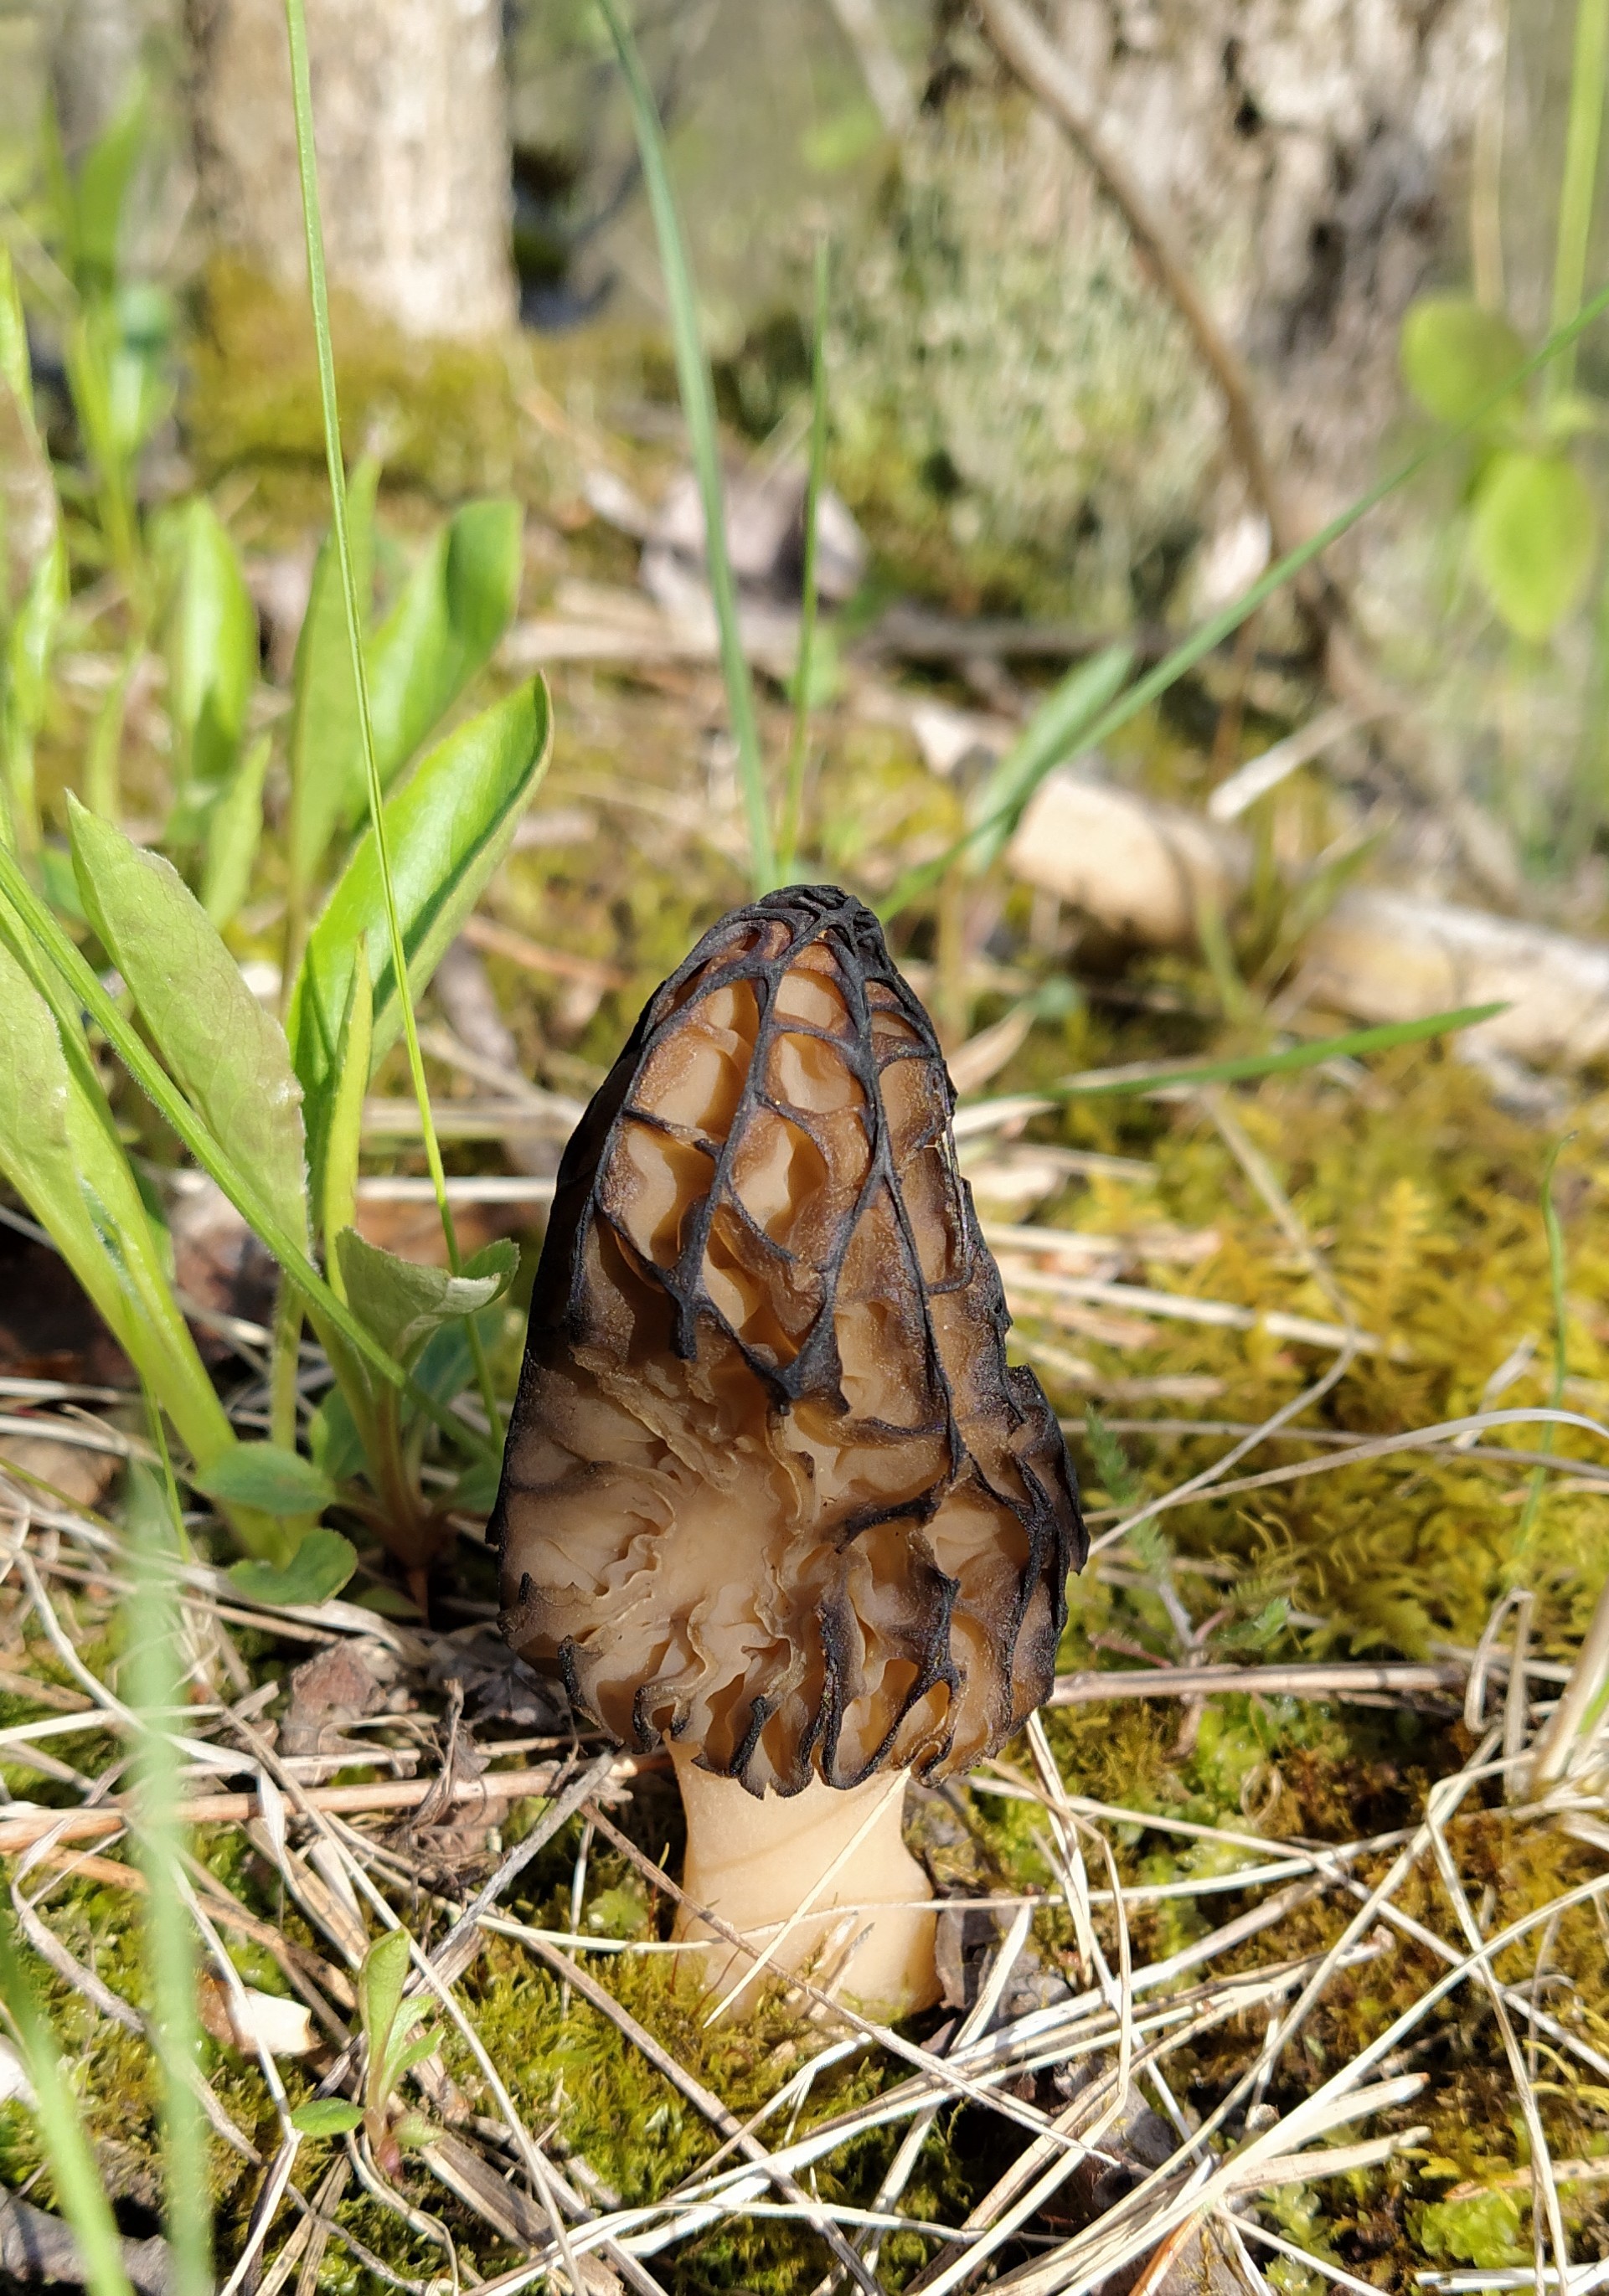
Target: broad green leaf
(29, 923)
(335, 1158)
(16, 368)
(33, 633)
(402, 1303)
(445, 626)
(267, 1476)
(453, 610)
(447, 1365)
(101, 193)
(475, 1492)
(334, 1441)
(320, 1567)
(1051, 734)
(235, 831)
(326, 2116)
(59, 1150)
(446, 831)
(325, 757)
(1455, 354)
(213, 641)
(1533, 538)
(379, 1983)
(25, 684)
(226, 1055)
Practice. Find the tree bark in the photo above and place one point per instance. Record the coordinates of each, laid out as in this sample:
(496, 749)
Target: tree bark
(1321, 149)
(412, 137)
(1306, 163)
(94, 53)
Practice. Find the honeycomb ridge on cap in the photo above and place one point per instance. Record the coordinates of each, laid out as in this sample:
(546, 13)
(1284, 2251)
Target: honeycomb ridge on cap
(771, 1487)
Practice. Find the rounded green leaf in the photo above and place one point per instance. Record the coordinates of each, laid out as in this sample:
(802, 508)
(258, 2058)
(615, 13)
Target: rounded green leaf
(1455, 354)
(1534, 538)
(402, 1303)
(326, 2116)
(267, 1476)
(319, 1567)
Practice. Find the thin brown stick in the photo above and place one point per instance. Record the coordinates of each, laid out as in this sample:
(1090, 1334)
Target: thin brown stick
(236, 1808)
(1339, 1681)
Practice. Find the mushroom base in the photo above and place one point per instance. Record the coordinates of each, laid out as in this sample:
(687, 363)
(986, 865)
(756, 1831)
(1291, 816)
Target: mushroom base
(758, 1861)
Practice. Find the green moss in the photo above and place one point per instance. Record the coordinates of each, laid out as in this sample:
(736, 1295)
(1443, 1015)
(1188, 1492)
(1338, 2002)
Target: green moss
(446, 414)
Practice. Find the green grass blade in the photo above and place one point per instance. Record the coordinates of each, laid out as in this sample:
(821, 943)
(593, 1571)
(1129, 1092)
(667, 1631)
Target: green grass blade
(698, 404)
(68, 961)
(1577, 192)
(1154, 1076)
(324, 709)
(156, 1684)
(1057, 729)
(337, 1177)
(793, 794)
(81, 2195)
(302, 92)
(914, 883)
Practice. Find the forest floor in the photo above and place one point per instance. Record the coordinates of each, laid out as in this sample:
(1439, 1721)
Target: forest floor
(1268, 1908)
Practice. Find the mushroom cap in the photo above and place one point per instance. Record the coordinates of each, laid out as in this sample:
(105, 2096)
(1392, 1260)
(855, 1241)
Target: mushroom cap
(771, 1489)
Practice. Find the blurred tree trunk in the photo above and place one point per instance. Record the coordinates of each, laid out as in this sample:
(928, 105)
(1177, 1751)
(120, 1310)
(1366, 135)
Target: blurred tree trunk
(94, 52)
(1319, 159)
(1318, 164)
(412, 135)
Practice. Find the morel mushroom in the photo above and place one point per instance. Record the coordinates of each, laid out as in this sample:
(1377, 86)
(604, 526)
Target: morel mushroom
(772, 1492)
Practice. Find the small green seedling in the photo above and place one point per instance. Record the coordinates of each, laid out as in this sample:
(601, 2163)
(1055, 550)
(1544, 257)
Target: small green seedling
(282, 1111)
(1533, 520)
(394, 2044)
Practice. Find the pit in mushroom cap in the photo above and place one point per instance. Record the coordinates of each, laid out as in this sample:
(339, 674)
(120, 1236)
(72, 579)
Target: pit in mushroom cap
(771, 1490)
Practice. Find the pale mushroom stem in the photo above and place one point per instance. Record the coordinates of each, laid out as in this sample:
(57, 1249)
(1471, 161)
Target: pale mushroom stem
(800, 1860)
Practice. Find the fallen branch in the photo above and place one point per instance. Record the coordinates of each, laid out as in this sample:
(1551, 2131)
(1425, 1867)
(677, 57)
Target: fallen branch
(35, 2245)
(22, 1831)
(1339, 1681)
